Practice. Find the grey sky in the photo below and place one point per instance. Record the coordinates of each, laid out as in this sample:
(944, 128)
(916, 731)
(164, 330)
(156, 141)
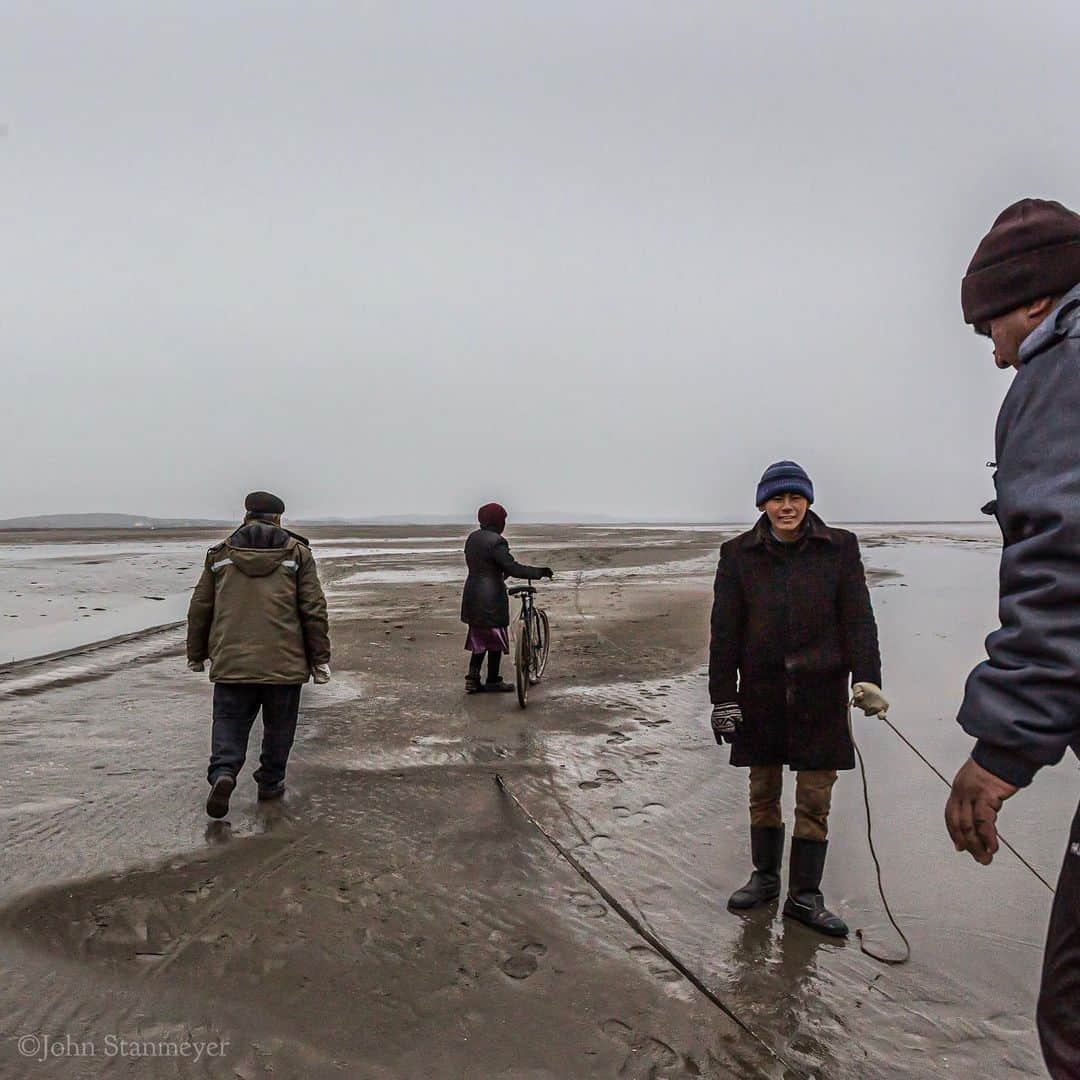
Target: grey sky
(608, 257)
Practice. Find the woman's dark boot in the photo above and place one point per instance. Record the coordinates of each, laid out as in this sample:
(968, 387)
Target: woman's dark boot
(805, 902)
(473, 685)
(767, 852)
(495, 682)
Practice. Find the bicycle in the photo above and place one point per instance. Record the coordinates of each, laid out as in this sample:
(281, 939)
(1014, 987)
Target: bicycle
(532, 637)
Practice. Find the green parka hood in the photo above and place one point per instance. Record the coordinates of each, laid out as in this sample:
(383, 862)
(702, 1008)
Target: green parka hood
(258, 548)
(258, 612)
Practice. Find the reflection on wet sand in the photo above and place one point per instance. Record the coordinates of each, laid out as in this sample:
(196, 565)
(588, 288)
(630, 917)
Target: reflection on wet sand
(393, 915)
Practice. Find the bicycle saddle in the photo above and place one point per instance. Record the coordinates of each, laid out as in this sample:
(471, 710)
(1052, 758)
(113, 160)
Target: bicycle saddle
(517, 590)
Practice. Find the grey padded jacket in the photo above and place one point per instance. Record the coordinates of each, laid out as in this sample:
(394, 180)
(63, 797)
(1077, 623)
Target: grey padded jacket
(1022, 704)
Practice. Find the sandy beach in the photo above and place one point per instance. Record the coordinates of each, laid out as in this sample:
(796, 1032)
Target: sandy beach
(398, 916)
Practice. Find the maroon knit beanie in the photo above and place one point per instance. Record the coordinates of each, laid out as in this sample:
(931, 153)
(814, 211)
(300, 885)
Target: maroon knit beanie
(1033, 250)
(491, 516)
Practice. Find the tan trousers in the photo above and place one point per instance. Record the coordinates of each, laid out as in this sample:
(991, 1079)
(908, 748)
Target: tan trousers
(813, 797)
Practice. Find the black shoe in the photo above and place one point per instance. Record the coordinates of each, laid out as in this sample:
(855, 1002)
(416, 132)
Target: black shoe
(473, 685)
(268, 793)
(805, 902)
(767, 851)
(217, 803)
(499, 686)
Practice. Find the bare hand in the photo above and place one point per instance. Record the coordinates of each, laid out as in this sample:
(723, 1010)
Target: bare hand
(972, 810)
(196, 665)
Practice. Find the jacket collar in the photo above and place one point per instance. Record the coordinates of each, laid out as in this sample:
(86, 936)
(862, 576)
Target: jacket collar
(813, 529)
(1057, 324)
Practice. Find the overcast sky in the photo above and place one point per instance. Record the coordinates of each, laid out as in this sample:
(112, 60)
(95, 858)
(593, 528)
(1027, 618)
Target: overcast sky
(604, 258)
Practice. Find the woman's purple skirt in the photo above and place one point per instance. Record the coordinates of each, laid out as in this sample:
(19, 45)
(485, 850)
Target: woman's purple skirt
(487, 639)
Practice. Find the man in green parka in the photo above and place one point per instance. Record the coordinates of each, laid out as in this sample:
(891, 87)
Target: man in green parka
(258, 614)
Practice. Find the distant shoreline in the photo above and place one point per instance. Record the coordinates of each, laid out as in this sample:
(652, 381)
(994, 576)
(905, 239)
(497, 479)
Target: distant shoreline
(120, 522)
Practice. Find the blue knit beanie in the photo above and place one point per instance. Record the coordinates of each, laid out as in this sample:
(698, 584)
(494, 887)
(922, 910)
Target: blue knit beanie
(783, 478)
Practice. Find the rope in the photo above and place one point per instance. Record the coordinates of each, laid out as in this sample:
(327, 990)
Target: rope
(922, 757)
(892, 961)
(647, 935)
(897, 960)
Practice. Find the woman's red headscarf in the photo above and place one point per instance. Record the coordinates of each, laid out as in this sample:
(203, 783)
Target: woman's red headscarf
(492, 516)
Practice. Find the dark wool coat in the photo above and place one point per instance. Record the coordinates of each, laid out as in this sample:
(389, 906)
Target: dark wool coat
(484, 602)
(792, 624)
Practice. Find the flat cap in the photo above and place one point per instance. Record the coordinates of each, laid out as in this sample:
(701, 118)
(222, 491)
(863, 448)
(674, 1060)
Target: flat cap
(262, 502)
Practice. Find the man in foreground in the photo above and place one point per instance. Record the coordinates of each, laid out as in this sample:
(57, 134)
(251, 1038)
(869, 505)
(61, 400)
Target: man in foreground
(258, 614)
(1022, 704)
(792, 622)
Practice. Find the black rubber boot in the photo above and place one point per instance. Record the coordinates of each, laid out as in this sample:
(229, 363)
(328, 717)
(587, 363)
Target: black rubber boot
(473, 685)
(805, 902)
(217, 803)
(767, 852)
(268, 794)
(499, 686)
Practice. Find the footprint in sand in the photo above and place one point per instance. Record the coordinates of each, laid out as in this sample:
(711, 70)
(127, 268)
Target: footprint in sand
(525, 961)
(647, 1057)
(647, 813)
(655, 964)
(617, 738)
(587, 905)
(603, 776)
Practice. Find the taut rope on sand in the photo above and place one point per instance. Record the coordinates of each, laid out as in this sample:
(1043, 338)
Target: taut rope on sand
(647, 935)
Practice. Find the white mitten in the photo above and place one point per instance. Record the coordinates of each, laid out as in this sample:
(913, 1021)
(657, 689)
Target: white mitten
(196, 665)
(869, 698)
(320, 673)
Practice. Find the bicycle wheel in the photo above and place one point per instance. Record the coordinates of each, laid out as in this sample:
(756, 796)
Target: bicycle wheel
(522, 659)
(541, 640)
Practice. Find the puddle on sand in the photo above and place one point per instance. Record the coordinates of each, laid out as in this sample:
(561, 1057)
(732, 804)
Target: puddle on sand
(341, 689)
(420, 575)
(424, 752)
(102, 660)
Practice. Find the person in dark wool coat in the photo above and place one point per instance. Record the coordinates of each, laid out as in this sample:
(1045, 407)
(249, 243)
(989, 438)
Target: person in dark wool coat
(791, 624)
(485, 606)
(1022, 704)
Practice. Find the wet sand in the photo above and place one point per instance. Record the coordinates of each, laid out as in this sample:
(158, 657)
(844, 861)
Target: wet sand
(397, 916)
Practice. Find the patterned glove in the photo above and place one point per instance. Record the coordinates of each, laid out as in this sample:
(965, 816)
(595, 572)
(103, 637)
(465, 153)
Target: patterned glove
(320, 673)
(725, 722)
(869, 698)
(196, 665)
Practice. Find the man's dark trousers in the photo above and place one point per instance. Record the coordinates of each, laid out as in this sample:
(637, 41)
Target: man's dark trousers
(235, 707)
(1059, 998)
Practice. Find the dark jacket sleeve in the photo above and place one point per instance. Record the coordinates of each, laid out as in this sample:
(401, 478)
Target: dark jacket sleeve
(312, 605)
(725, 643)
(506, 562)
(201, 616)
(1023, 703)
(857, 625)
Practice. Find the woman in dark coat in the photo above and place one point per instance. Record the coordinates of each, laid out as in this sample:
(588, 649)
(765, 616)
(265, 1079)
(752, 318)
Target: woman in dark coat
(792, 623)
(485, 606)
